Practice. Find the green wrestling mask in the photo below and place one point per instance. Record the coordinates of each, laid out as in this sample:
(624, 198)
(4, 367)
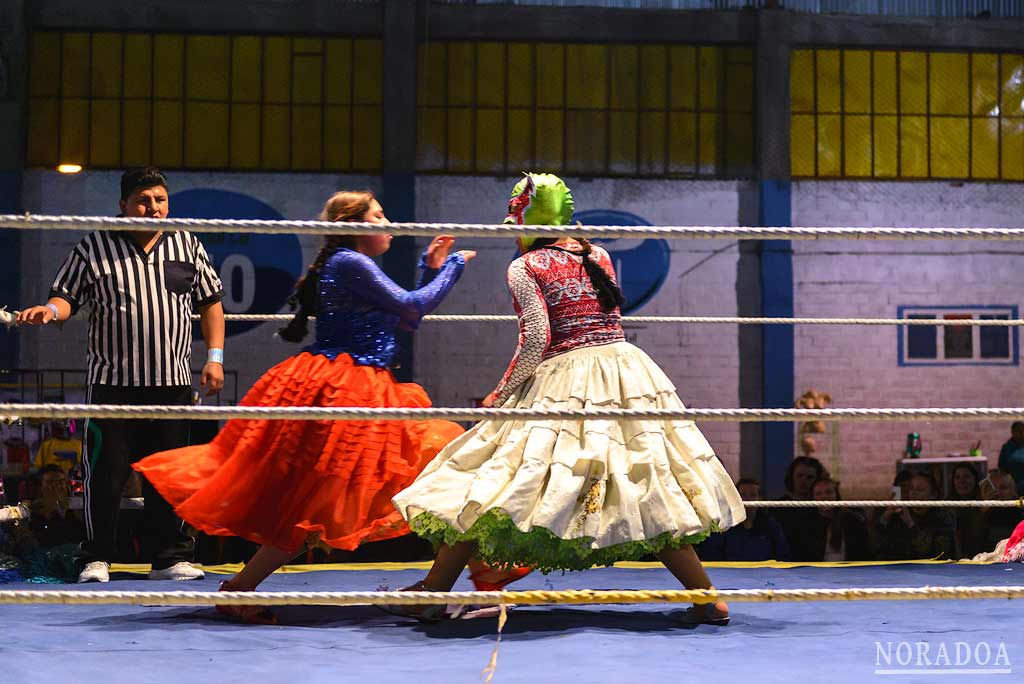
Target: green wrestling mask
(540, 199)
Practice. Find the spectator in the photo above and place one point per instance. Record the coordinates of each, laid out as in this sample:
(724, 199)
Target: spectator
(999, 523)
(51, 521)
(759, 538)
(126, 276)
(801, 475)
(59, 449)
(909, 533)
(970, 523)
(830, 534)
(1011, 456)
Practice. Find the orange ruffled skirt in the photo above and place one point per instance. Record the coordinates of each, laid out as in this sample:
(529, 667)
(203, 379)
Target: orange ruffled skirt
(279, 481)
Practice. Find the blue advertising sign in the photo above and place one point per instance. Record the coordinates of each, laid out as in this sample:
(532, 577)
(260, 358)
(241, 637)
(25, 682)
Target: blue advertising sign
(258, 271)
(640, 264)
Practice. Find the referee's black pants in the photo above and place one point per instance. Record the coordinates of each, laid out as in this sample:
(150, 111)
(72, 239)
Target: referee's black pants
(107, 468)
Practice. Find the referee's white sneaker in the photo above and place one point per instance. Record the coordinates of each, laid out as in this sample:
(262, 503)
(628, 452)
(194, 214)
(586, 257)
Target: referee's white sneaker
(179, 571)
(96, 571)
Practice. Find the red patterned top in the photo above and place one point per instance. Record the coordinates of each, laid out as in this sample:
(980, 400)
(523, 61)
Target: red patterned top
(558, 310)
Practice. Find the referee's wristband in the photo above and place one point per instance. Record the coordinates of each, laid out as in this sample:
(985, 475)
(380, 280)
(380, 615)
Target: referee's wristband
(53, 307)
(215, 355)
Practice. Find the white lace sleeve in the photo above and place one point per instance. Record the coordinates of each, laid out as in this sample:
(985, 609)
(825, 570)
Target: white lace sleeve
(534, 330)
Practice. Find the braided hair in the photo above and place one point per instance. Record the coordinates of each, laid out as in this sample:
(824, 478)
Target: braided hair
(609, 295)
(342, 206)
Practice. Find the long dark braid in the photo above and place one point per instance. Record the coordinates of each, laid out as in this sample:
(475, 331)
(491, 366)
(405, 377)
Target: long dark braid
(609, 295)
(342, 206)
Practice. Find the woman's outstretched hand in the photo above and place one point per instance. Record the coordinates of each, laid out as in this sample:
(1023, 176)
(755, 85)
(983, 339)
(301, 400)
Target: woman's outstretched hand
(438, 251)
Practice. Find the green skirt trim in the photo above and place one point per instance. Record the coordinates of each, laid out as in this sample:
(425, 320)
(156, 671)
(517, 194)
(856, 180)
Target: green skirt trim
(501, 543)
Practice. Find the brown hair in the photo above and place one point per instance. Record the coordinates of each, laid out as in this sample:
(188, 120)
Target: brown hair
(347, 205)
(609, 295)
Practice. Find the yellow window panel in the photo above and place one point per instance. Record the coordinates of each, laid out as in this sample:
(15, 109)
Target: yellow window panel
(739, 88)
(461, 68)
(949, 147)
(520, 75)
(208, 62)
(338, 65)
(431, 148)
(206, 135)
(106, 65)
(490, 75)
(1013, 149)
(913, 68)
(138, 65)
(74, 129)
(246, 69)
(622, 152)
(985, 148)
(739, 55)
(886, 143)
(624, 61)
(42, 143)
(857, 81)
(337, 137)
(857, 146)
(367, 138)
(307, 79)
(886, 78)
(277, 82)
(653, 134)
(682, 139)
(135, 132)
(801, 145)
(490, 136)
(167, 133)
(519, 140)
(829, 87)
(653, 77)
(307, 46)
(274, 137)
(586, 76)
(168, 67)
(368, 71)
(245, 136)
(830, 152)
(75, 65)
(105, 133)
(550, 75)
(985, 84)
(1012, 77)
(550, 134)
(949, 91)
(801, 81)
(586, 142)
(739, 143)
(710, 75)
(913, 147)
(683, 78)
(307, 140)
(460, 139)
(44, 64)
(707, 140)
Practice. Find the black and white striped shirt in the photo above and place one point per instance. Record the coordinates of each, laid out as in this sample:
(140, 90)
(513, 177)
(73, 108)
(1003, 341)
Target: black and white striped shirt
(140, 324)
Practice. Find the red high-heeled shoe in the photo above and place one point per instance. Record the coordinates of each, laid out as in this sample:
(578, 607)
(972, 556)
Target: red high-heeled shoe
(486, 578)
(250, 615)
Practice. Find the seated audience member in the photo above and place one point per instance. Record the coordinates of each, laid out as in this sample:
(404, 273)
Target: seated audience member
(52, 523)
(999, 523)
(758, 538)
(59, 449)
(801, 475)
(830, 534)
(906, 532)
(1011, 456)
(970, 525)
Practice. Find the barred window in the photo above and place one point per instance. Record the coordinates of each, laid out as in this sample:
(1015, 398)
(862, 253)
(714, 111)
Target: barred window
(928, 345)
(907, 114)
(586, 109)
(109, 100)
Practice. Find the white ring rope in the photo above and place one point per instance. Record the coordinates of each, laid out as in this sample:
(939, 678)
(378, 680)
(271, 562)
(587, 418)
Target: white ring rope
(46, 222)
(741, 415)
(534, 597)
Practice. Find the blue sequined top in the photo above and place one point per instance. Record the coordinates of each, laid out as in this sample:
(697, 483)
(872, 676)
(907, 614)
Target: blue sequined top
(360, 308)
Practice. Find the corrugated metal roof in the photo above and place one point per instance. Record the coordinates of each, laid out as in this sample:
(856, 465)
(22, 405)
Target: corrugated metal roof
(898, 8)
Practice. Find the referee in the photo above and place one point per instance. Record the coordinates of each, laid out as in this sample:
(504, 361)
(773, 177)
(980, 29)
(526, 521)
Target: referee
(142, 287)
